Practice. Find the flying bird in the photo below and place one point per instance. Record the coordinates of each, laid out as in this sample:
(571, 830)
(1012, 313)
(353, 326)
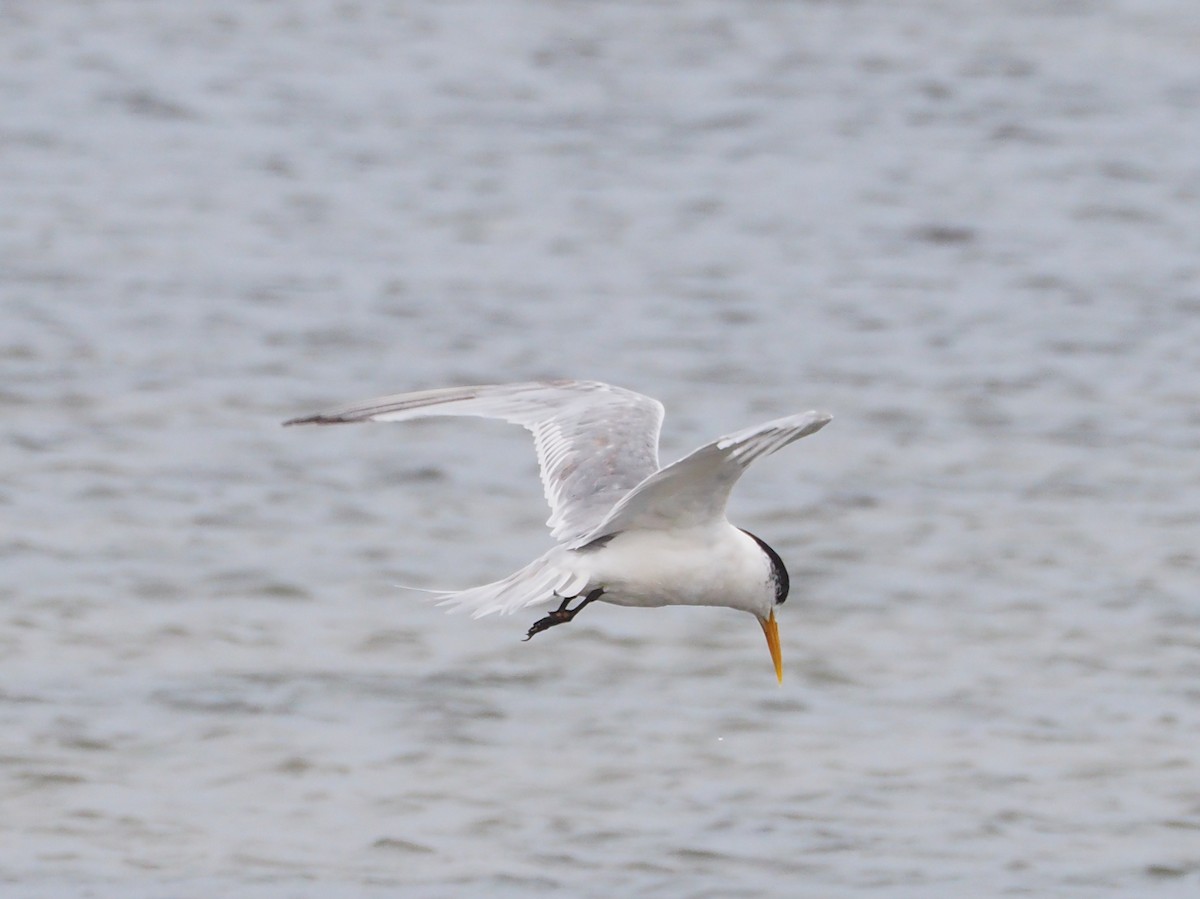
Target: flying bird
(628, 532)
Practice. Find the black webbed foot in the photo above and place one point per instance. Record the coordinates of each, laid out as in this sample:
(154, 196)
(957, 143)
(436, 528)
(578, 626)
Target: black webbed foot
(562, 614)
(558, 616)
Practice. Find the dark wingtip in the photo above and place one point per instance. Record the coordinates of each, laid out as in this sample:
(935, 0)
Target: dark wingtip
(312, 420)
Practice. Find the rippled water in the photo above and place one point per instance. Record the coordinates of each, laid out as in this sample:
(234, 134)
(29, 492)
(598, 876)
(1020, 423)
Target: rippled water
(968, 230)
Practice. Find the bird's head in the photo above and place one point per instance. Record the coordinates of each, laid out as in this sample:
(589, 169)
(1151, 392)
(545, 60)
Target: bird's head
(778, 584)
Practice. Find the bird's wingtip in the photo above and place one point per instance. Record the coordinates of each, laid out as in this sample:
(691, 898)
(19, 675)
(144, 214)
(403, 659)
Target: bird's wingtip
(814, 420)
(312, 420)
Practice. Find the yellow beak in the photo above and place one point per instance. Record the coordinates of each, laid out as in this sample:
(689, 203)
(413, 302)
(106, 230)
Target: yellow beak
(771, 629)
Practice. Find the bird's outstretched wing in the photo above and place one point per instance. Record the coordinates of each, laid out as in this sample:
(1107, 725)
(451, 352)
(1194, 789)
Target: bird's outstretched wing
(594, 442)
(695, 490)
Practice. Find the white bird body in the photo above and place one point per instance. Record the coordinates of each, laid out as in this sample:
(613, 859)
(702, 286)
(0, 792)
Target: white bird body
(629, 532)
(710, 565)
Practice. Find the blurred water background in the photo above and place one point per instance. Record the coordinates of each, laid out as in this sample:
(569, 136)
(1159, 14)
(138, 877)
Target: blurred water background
(969, 230)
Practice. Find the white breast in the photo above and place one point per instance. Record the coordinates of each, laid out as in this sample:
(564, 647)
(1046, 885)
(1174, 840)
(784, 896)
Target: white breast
(716, 565)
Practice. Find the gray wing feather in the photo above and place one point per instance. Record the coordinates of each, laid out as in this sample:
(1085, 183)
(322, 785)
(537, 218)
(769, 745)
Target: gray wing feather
(594, 442)
(695, 490)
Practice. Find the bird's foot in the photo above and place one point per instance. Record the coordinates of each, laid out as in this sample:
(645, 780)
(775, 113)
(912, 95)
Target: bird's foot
(562, 614)
(558, 616)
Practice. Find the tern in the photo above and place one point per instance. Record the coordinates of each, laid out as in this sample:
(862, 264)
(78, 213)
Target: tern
(627, 532)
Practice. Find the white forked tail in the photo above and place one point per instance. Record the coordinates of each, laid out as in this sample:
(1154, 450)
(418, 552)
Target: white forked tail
(542, 580)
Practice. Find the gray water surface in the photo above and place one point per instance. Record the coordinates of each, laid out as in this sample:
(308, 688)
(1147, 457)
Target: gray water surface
(969, 230)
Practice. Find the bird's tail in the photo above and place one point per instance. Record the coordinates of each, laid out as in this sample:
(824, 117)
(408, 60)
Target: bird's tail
(542, 580)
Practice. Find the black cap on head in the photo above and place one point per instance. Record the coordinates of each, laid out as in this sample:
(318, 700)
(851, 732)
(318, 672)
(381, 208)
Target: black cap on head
(779, 573)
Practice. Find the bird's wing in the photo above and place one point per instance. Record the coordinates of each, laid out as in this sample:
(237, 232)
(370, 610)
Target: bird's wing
(594, 442)
(695, 490)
